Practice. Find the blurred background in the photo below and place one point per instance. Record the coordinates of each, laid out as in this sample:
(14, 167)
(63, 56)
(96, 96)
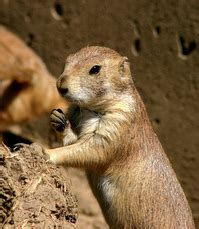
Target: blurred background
(161, 40)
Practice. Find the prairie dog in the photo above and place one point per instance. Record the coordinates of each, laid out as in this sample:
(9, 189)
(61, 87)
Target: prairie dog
(24, 80)
(109, 134)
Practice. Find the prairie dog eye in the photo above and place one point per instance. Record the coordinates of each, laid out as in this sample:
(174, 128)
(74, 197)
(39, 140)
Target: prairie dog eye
(95, 70)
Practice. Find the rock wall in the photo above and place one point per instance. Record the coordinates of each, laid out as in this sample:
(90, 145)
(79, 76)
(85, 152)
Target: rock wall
(161, 39)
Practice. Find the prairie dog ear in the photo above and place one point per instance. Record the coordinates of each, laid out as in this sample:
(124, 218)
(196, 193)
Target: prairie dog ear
(124, 67)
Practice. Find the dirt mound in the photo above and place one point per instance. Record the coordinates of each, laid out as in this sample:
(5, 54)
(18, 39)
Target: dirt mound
(34, 193)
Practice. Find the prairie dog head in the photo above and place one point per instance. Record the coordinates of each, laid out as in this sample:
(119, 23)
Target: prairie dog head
(94, 75)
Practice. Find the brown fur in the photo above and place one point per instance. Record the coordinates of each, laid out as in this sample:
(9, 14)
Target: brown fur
(127, 168)
(26, 87)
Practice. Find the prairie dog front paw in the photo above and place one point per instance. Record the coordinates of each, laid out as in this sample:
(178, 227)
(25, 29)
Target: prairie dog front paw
(62, 127)
(58, 120)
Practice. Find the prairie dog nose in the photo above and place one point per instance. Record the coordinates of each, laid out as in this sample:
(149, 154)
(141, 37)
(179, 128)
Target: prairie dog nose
(62, 90)
(60, 86)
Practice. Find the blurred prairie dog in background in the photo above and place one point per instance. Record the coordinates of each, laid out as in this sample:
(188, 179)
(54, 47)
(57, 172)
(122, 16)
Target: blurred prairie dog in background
(27, 89)
(108, 133)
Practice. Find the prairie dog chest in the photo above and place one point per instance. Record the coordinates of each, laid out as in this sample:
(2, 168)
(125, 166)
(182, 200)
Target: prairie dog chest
(84, 121)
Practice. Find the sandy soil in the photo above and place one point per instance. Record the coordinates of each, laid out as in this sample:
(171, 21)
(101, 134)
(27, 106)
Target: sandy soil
(33, 192)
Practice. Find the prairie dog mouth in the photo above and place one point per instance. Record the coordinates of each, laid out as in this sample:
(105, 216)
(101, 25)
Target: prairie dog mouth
(71, 99)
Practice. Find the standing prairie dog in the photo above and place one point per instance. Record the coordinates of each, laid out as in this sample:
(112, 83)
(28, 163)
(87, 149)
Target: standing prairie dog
(108, 133)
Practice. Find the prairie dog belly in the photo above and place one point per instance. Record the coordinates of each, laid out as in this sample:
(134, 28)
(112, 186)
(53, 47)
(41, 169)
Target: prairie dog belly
(104, 191)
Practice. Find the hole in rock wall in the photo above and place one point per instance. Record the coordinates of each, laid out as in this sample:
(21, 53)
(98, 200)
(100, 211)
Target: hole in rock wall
(136, 48)
(137, 45)
(185, 48)
(31, 38)
(57, 11)
(156, 31)
(157, 121)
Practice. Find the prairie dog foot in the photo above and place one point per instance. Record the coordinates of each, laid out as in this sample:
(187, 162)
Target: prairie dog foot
(58, 120)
